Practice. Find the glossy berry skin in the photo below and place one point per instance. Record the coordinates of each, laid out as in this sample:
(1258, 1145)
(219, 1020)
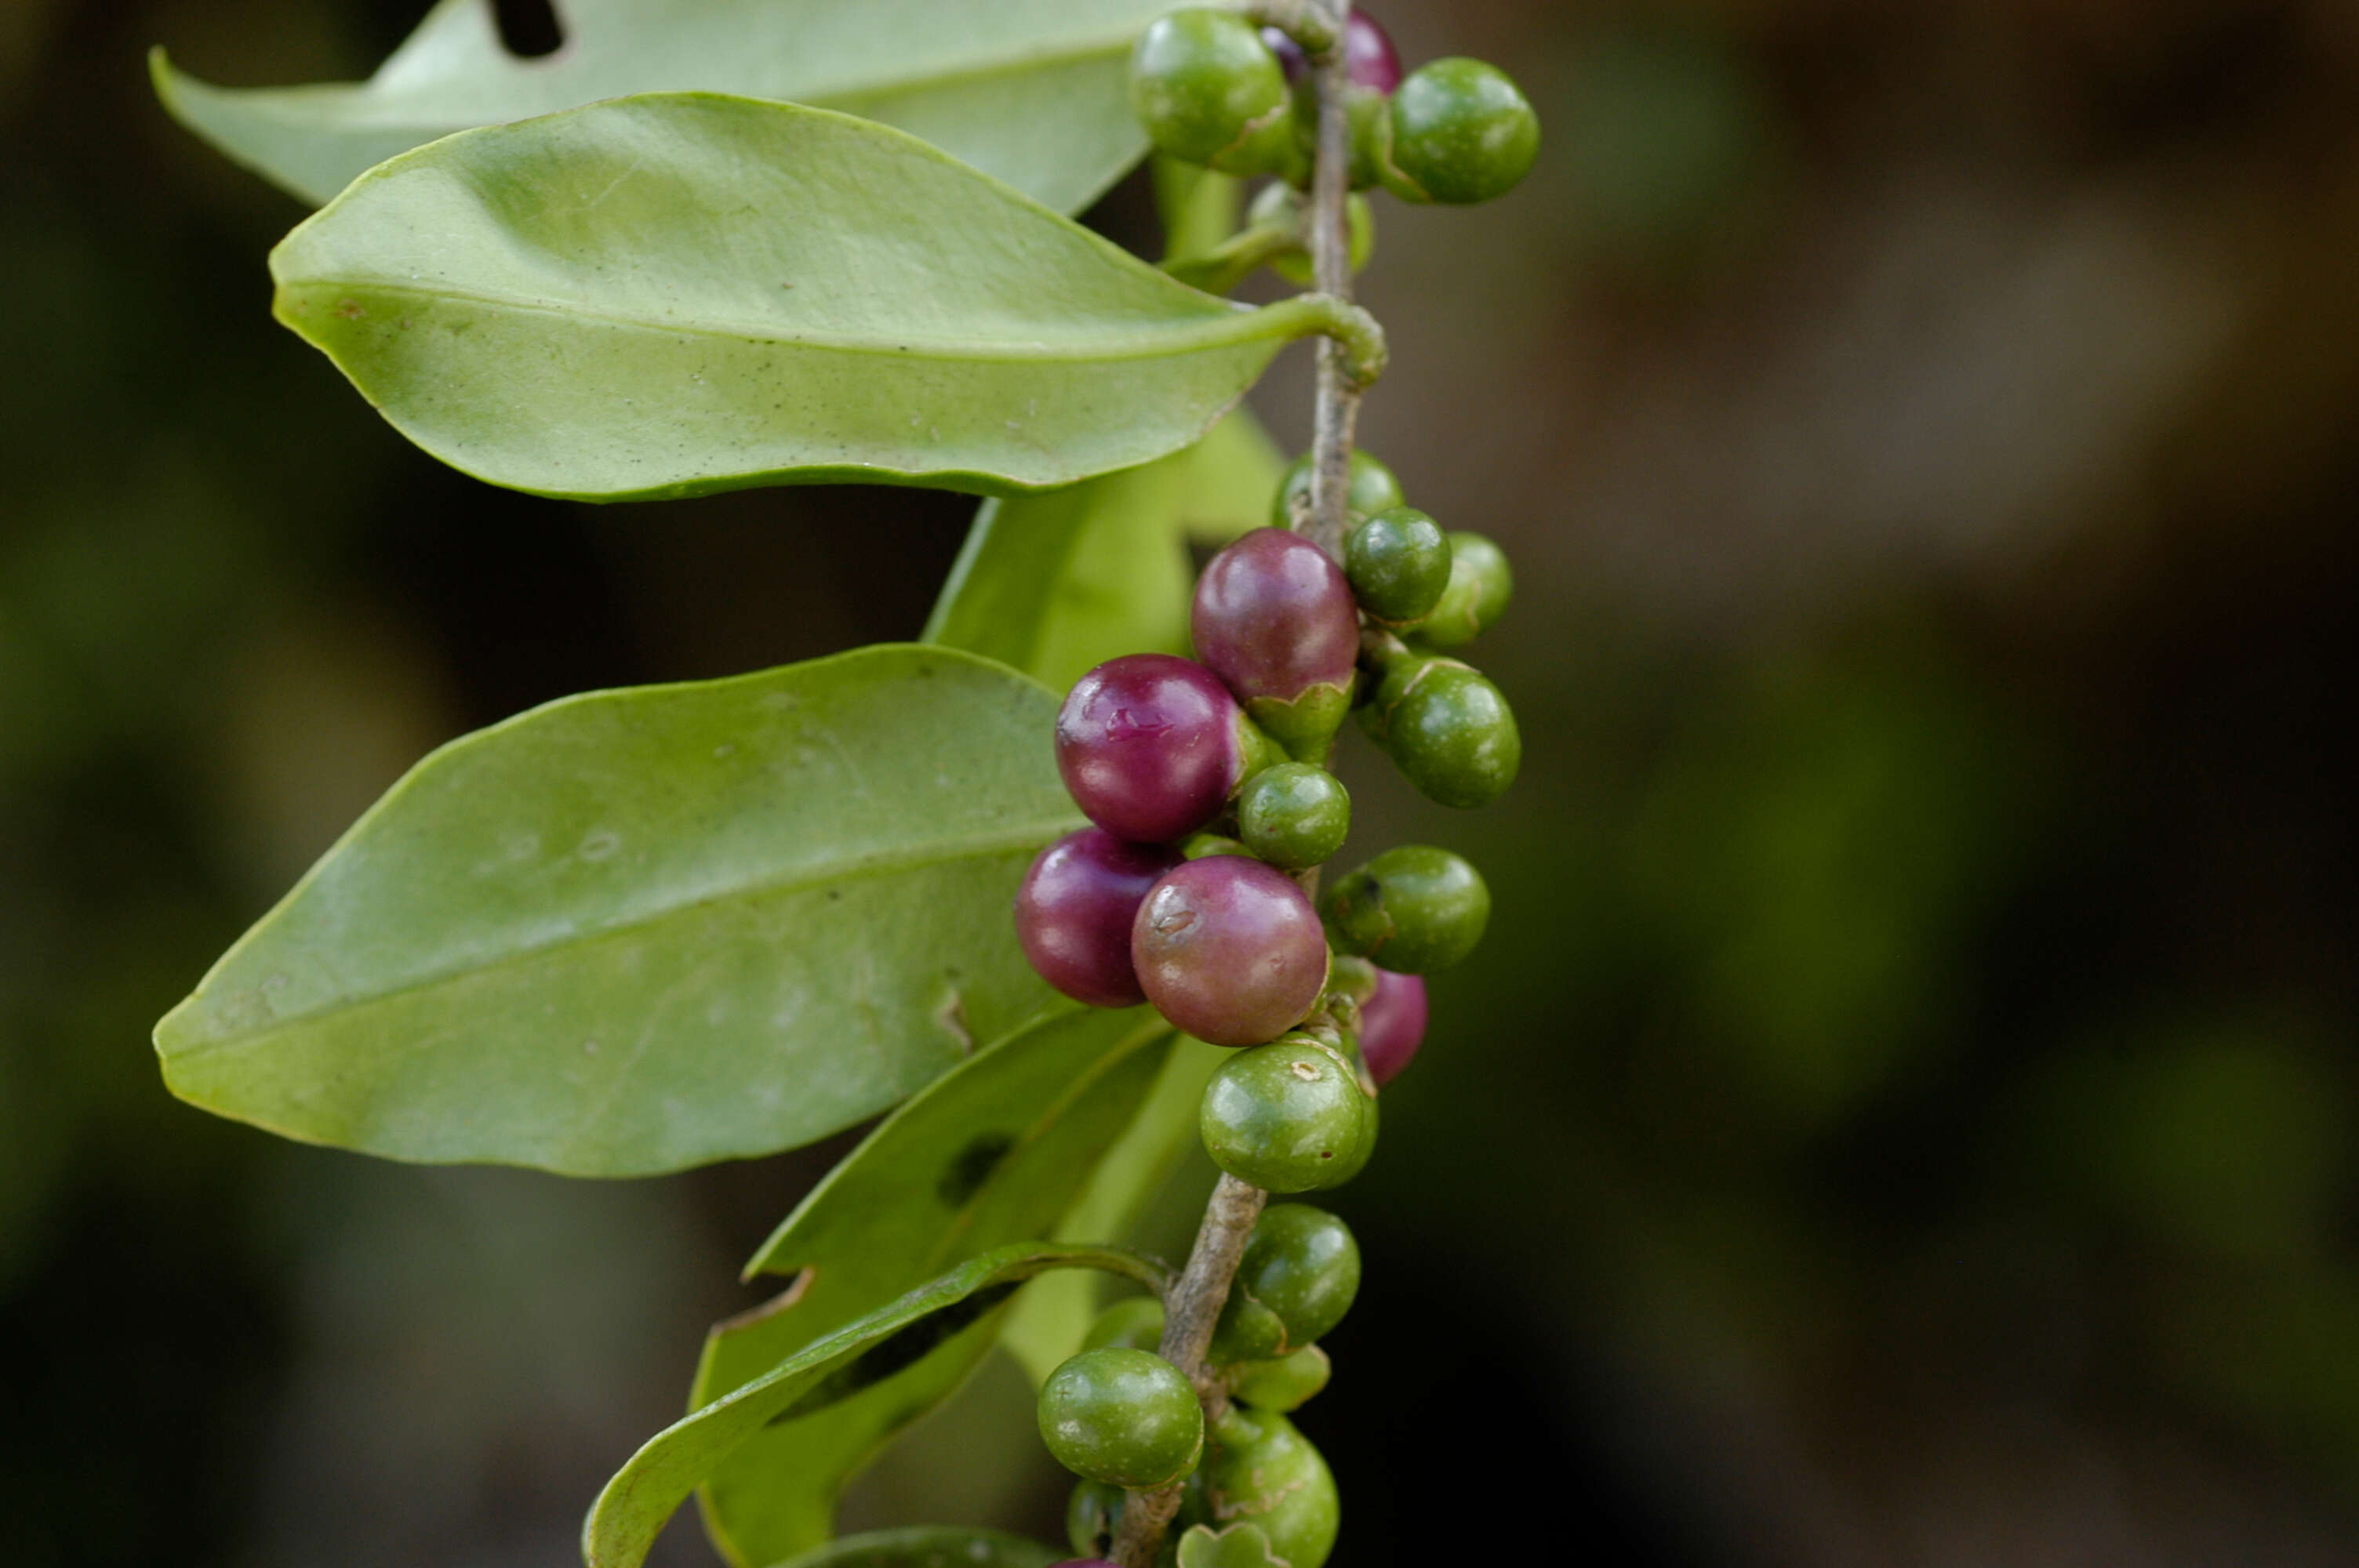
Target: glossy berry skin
(1462, 132)
(1397, 563)
(1229, 950)
(1446, 729)
(1303, 1264)
(1151, 746)
(1414, 909)
(1258, 1467)
(1294, 816)
(1373, 488)
(1475, 596)
(1289, 1117)
(1369, 57)
(1275, 619)
(1134, 1324)
(1284, 1384)
(1125, 1417)
(1392, 1024)
(1208, 91)
(1075, 909)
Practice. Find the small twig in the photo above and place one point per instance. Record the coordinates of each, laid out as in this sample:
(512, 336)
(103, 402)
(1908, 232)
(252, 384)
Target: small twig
(1308, 23)
(1336, 413)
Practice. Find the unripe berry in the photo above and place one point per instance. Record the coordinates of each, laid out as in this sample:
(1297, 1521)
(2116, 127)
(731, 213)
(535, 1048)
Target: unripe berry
(1121, 1416)
(1369, 57)
(1289, 1117)
(1372, 488)
(1303, 1265)
(1075, 909)
(1273, 618)
(1294, 816)
(1093, 1516)
(1134, 1324)
(1151, 746)
(1284, 1384)
(1397, 563)
(1474, 598)
(1209, 92)
(1229, 950)
(1199, 845)
(1392, 1024)
(1414, 909)
(1462, 132)
(1446, 729)
(1258, 1467)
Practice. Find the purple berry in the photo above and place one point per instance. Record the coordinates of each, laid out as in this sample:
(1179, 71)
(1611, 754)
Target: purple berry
(1229, 950)
(1151, 746)
(1074, 912)
(1392, 1026)
(1275, 619)
(1367, 50)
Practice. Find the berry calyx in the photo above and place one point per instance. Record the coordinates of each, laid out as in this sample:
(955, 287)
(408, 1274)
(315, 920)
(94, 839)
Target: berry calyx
(1446, 729)
(1372, 489)
(1258, 1467)
(1415, 909)
(1398, 563)
(1392, 1024)
(1289, 1117)
(1283, 1384)
(1124, 1417)
(1369, 57)
(1151, 746)
(1294, 816)
(1229, 950)
(1273, 618)
(1075, 909)
(1475, 596)
(1462, 132)
(1302, 1263)
(1209, 90)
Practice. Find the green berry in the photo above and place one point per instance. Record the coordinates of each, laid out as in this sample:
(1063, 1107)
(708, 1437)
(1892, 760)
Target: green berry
(1289, 1116)
(1303, 1265)
(1397, 563)
(1446, 729)
(1369, 134)
(1209, 92)
(1414, 909)
(1135, 1323)
(1294, 816)
(1196, 846)
(1093, 1516)
(1283, 1384)
(1373, 489)
(1475, 596)
(1462, 132)
(1122, 1416)
(1279, 205)
(1260, 1468)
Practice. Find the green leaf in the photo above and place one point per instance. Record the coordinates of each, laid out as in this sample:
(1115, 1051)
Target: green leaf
(645, 1492)
(1238, 1546)
(1031, 90)
(992, 1152)
(1053, 584)
(640, 930)
(682, 292)
(930, 1546)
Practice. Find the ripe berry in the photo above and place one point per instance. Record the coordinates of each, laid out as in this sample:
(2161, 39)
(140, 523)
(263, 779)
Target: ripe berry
(1462, 132)
(1415, 909)
(1372, 489)
(1303, 1265)
(1121, 1416)
(1294, 816)
(1075, 908)
(1151, 746)
(1135, 1323)
(1209, 92)
(1284, 1384)
(1273, 618)
(1258, 1467)
(1229, 950)
(1289, 1116)
(1475, 596)
(1369, 57)
(1397, 563)
(1392, 1024)
(1446, 729)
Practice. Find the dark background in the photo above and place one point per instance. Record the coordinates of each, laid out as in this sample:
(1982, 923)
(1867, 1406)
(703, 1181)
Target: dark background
(1904, 1112)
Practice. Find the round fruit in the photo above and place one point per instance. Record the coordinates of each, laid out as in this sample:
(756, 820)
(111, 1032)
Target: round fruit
(1074, 912)
(1229, 950)
(1397, 563)
(1392, 1024)
(1369, 57)
(1446, 729)
(1151, 746)
(1134, 1324)
(1462, 132)
(1199, 845)
(1303, 1264)
(1294, 816)
(1124, 1417)
(1289, 1117)
(1209, 92)
(1261, 1469)
(1373, 488)
(1284, 1384)
(1273, 618)
(1416, 909)
(1475, 596)
(1093, 1516)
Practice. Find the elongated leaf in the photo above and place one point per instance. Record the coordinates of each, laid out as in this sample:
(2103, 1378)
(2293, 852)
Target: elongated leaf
(638, 930)
(930, 1546)
(646, 1491)
(684, 292)
(1031, 90)
(1055, 583)
(993, 1151)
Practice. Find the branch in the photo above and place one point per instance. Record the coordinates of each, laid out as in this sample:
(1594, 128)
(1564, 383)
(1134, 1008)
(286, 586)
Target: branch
(1336, 414)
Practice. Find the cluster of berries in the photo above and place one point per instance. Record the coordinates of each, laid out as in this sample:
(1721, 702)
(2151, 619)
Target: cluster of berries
(1213, 89)
(1122, 1417)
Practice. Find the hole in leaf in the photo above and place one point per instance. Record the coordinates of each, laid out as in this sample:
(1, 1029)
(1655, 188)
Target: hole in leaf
(529, 28)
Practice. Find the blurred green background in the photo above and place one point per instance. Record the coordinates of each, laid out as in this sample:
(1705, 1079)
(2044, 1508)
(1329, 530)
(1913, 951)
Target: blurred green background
(1904, 1113)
